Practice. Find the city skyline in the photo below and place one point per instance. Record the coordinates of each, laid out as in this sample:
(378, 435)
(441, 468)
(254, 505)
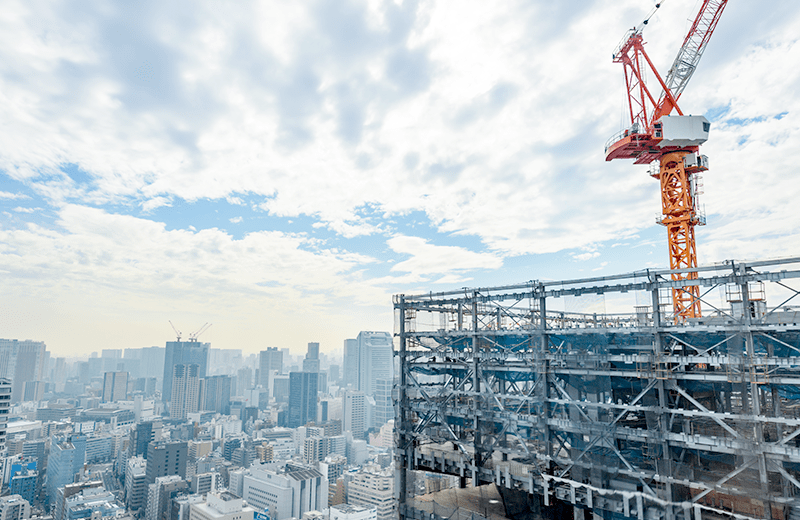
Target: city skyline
(282, 171)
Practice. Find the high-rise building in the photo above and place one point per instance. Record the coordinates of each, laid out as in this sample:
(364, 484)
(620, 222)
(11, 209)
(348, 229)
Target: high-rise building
(350, 364)
(218, 394)
(302, 398)
(270, 359)
(384, 407)
(34, 391)
(244, 380)
(136, 483)
(376, 359)
(5, 404)
(21, 361)
(183, 353)
(67, 456)
(185, 390)
(142, 435)
(355, 413)
(115, 387)
(166, 458)
(311, 361)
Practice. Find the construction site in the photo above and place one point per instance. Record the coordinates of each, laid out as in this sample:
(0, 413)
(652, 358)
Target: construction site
(659, 394)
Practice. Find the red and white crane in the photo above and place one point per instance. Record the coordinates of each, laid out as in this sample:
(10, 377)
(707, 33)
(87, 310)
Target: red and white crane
(673, 141)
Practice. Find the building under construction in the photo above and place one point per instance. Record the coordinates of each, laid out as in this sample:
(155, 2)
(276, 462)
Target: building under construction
(593, 395)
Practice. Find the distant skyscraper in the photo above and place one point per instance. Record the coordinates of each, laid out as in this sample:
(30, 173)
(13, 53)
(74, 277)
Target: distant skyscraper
(311, 362)
(218, 394)
(351, 364)
(34, 391)
(185, 391)
(21, 361)
(5, 404)
(270, 359)
(384, 409)
(115, 387)
(302, 398)
(376, 360)
(355, 413)
(183, 353)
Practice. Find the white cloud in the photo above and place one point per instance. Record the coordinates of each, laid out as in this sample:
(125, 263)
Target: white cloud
(235, 220)
(586, 256)
(116, 265)
(428, 258)
(12, 196)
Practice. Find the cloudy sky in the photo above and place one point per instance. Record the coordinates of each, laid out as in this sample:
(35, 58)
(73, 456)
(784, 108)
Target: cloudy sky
(280, 169)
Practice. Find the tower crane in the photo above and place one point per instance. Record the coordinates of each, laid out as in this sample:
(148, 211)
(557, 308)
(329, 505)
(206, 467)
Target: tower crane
(177, 332)
(194, 335)
(669, 143)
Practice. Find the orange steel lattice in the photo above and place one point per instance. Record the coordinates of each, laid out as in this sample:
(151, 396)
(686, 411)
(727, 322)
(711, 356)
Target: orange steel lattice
(680, 218)
(644, 143)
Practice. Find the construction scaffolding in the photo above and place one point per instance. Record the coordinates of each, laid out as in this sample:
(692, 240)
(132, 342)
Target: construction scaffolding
(629, 414)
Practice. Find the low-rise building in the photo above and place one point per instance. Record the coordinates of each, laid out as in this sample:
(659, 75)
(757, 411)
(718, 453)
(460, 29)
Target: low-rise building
(221, 506)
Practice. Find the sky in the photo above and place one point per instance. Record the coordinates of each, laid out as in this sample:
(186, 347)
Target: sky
(281, 169)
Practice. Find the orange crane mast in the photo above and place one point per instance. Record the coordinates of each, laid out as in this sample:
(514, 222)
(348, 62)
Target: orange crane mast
(672, 143)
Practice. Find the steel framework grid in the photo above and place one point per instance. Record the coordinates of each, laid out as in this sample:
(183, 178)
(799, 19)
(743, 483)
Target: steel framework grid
(632, 414)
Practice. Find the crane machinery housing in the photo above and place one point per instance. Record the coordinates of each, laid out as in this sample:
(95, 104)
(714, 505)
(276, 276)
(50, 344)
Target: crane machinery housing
(671, 143)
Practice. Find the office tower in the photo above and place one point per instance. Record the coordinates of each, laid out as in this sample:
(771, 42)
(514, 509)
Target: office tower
(166, 458)
(373, 487)
(384, 408)
(67, 456)
(350, 362)
(147, 362)
(183, 353)
(311, 362)
(333, 374)
(302, 398)
(34, 391)
(244, 380)
(115, 387)
(136, 483)
(355, 413)
(185, 391)
(21, 361)
(270, 359)
(14, 507)
(5, 404)
(142, 435)
(376, 360)
(218, 394)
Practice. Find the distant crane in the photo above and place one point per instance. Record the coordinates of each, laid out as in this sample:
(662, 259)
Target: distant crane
(670, 144)
(177, 332)
(194, 335)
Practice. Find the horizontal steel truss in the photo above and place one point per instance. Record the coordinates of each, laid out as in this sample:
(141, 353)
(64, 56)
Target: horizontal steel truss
(668, 422)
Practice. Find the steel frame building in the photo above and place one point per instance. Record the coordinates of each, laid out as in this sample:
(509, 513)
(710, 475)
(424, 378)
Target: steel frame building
(625, 414)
